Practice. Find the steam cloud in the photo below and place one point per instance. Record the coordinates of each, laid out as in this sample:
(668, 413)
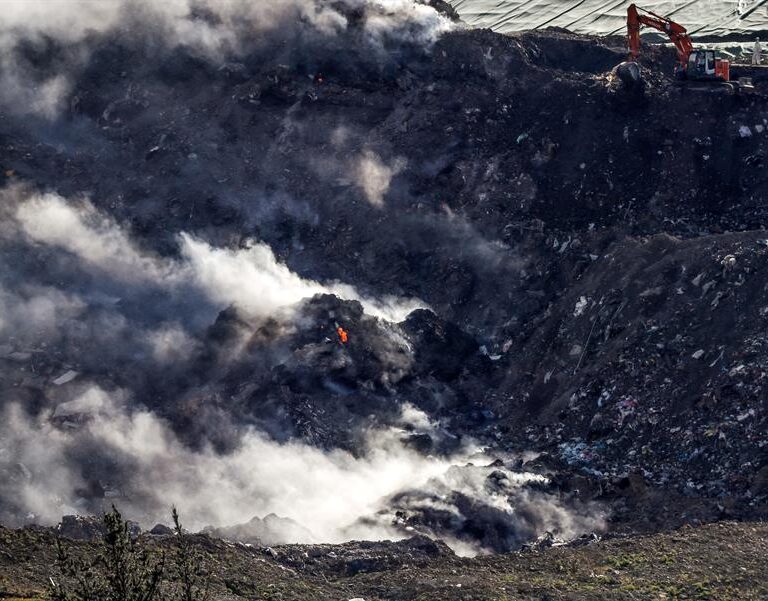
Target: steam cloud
(116, 347)
(250, 278)
(335, 494)
(83, 427)
(217, 29)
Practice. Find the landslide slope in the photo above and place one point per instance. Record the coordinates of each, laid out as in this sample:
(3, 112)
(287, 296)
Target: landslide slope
(591, 240)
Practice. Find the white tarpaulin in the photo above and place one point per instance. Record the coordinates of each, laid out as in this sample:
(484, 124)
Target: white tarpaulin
(700, 17)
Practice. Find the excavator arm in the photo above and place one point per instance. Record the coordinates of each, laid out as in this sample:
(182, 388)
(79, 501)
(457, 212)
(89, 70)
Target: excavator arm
(678, 35)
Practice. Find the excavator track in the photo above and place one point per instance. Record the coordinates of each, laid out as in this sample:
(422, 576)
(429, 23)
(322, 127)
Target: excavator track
(709, 87)
(730, 88)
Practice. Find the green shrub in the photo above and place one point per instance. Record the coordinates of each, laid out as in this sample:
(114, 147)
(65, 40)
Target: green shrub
(124, 569)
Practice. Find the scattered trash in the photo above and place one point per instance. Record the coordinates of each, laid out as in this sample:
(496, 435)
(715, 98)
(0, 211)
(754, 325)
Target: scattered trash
(67, 376)
(728, 262)
(589, 243)
(625, 408)
(581, 306)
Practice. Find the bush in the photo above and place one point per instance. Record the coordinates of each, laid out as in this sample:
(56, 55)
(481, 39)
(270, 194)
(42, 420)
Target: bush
(124, 569)
(193, 583)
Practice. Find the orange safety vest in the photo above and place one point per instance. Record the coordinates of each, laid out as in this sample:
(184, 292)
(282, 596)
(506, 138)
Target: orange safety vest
(342, 335)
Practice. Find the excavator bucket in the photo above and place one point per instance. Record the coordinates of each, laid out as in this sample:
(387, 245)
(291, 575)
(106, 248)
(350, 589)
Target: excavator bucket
(629, 73)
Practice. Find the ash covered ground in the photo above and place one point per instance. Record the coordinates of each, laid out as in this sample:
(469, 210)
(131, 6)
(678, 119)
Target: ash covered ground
(553, 286)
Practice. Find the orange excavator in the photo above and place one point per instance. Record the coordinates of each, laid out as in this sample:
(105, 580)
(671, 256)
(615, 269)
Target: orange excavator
(692, 64)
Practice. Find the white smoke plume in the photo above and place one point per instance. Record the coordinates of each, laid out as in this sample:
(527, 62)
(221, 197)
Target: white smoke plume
(332, 495)
(171, 343)
(250, 277)
(73, 20)
(34, 312)
(325, 491)
(497, 501)
(217, 29)
(85, 431)
(374, 176)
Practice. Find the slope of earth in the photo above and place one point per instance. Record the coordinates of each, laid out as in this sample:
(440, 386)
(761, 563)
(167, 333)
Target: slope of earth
(592, 256)
(719, 561)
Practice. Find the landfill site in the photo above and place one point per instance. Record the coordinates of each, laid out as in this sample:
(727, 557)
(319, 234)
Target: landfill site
(390, 299)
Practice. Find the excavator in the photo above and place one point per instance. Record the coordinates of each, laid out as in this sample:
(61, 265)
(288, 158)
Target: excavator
(692, 64)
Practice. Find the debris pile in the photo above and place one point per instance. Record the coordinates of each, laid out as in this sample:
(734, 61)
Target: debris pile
(584, 260)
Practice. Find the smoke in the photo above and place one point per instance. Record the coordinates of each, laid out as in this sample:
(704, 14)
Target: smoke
(250, 277)
(374, 176)
(168, 337)
(214, 25)
(490, 508)
(100, 244)
(34, 312)
(32, 30)
(151, 469)
(108, 324)
(171, 343)
(335, 496)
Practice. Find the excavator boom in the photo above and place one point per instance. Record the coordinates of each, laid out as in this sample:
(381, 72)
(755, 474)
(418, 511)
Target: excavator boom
(677, 34)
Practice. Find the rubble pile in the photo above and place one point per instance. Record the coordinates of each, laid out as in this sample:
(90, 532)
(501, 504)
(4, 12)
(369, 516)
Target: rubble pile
(585, 260)
(361, 557)
(268, 531)
(306, 383)
(653, 366)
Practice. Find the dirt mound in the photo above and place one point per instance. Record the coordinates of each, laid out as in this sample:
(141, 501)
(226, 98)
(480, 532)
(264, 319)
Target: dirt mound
(561, 49)
(591, 256)
(651, 359)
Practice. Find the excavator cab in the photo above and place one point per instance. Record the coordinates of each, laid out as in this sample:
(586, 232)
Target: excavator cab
(703, 65)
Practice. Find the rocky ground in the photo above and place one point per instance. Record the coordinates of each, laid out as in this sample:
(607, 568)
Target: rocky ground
(718, 561)
(592, 257)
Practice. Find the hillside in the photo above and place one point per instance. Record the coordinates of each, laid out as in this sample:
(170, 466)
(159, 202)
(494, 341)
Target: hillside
(721, 561)
(551, 286)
